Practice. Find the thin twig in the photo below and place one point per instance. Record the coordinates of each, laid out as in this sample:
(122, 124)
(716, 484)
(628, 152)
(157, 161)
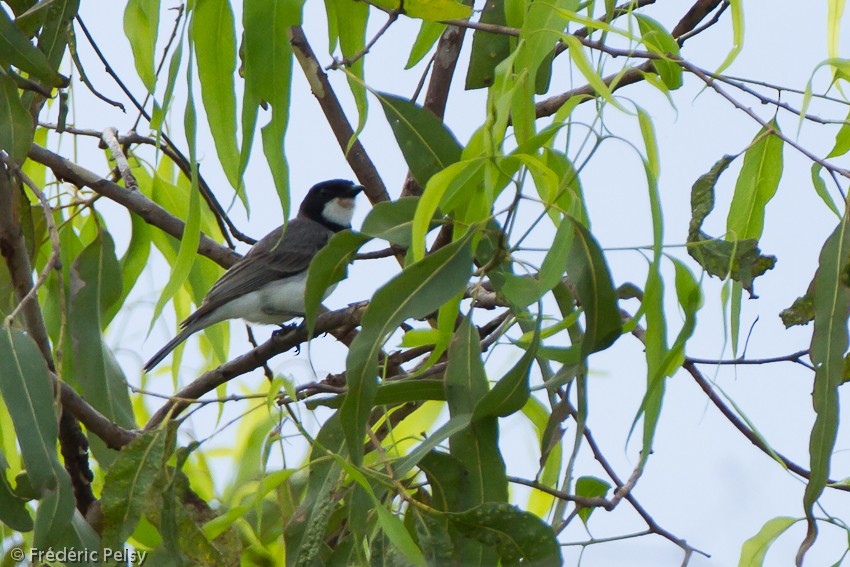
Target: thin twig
(583, 501)
(392, 17)
(793, 357)
(110, 140)
(136, 202)
(72, 48)
(54, 262)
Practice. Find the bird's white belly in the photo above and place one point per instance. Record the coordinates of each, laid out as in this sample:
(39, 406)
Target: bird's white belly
(276, 302)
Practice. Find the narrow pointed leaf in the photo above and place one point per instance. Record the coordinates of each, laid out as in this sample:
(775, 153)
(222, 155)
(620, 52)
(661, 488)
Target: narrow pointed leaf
(329, 267)
(518, 537)
(16, 128)
(16, 49)
(213, 33)
(419, 290)
(829, 345)
(427, 145)
(141, 24)
(128, 483)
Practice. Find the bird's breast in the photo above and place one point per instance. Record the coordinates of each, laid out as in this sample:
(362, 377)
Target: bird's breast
(275, 302)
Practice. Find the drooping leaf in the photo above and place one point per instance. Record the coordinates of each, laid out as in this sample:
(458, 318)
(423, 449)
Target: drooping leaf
(96, 284)
(658, 39)
(588, 270)
(754, 549)
(740, 260)
(128, 483)
(426, 143)
(141, 24)
(829, 345)
(460, 177)
(212, 30)
(756, 185)
(436, 10)
(488, 49)
(268, 77)
(13, 508)
(16, 128)
(518, 537)
(476, 447)
(590, 487)
(305, 531)
(428, 35)
(420, 289)
(392, 221)
(25, 380)
(329, 267)
(16, 49)
(511, 392)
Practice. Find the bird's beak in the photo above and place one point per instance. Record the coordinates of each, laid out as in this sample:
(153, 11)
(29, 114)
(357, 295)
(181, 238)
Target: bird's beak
(354, 190)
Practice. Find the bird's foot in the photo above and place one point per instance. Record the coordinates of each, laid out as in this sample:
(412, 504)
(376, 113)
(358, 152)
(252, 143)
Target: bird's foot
(284, 328)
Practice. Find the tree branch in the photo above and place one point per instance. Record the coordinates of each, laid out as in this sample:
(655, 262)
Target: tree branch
(356, 156)
(134, 201)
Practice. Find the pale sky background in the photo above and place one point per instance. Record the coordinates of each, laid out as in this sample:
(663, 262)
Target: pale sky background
(705, 482)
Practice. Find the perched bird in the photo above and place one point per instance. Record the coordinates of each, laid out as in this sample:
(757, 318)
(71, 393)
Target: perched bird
(267, 285)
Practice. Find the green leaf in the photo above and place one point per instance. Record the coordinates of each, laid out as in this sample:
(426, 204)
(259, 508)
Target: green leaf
(393, 221)
(13, 508)
(737, 34)
(191, 236)
(268, 77)
(525, 290)
(518, 537)
(26, 387)
(582, 63)
(16, 49)
(754, 549)
(588, 270)
(436, 10)
(133, 262)
(756, 185)
(801, 312)
(477, 447)
(511, 392)
(821, 190)
(658, 39)
(419, 290)
(141, 24)
(305, 532)
(389, 523)
(329, 267)
(488, 49)
(54, 514)
(25, 379)
(96, 283)
(740, 260)
(426, 143)
(128, 483)
(212, 31)
(16, 128)
(428, 35)
(461, 177)
(829, 345)
(590, 487)
(454, 425)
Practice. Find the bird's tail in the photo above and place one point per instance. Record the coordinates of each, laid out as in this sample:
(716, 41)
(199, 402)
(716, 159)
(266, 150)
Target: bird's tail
(172, 344)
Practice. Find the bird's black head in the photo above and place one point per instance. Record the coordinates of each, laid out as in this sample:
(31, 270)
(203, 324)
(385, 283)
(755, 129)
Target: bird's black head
(331, 203)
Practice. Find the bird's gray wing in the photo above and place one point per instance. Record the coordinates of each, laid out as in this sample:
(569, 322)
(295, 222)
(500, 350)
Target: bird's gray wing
(277, 255)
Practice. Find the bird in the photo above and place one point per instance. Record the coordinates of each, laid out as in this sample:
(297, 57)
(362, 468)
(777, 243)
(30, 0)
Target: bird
(267, 285)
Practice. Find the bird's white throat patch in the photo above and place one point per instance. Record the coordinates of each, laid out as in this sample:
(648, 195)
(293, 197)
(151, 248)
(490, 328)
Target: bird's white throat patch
(339, 210)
